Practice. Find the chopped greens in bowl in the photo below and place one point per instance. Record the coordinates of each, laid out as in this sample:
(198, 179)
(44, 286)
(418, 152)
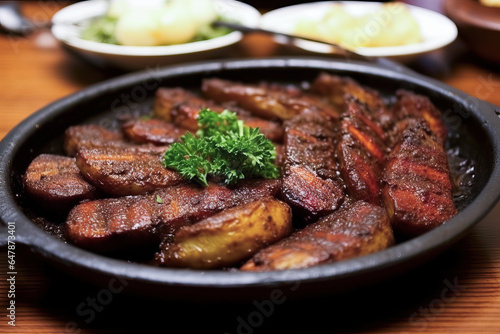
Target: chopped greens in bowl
(165, 23)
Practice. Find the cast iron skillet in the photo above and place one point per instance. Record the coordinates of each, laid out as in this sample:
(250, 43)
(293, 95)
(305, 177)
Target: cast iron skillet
(473, 125)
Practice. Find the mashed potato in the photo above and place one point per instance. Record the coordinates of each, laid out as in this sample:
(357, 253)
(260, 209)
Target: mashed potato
(391, 25)
(155, 22)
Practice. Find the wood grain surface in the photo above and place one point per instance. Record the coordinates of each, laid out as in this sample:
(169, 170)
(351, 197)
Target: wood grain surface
(458, 292)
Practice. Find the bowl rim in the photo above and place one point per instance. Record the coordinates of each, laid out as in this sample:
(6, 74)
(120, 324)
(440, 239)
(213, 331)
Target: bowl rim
(66, 33)
(402, 254)
(388, 51)
(473, 13)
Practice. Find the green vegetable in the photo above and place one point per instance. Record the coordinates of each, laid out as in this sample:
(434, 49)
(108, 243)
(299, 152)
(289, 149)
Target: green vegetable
(208, 31)
(101, 30)
(158, 199)
(224, 147)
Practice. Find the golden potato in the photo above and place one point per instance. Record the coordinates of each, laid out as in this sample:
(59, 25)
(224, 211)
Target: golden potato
(357, 229)
(228, 237)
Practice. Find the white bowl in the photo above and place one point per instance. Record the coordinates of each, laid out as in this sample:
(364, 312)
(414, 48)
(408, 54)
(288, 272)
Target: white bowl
(140, 57)
(437, 30)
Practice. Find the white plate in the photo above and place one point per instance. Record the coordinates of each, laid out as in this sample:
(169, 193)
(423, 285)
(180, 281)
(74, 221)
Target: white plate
(140, 57)
(437, 30)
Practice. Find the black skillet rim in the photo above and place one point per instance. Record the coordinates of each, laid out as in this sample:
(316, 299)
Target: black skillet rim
(71, 257)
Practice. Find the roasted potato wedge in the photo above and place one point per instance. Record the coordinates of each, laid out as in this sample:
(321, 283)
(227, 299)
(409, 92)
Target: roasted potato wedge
(356, 229)
(228, 237)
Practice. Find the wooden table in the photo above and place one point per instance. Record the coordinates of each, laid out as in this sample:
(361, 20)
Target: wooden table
(35, 71)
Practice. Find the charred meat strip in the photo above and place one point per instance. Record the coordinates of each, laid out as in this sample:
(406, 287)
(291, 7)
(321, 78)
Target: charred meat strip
(91, 136)
(418, 191)
(187, 115)
(229, 237)
(181, 107)
(55, 182)
(267, 101)
(413, 106)
(115, 224)
(184, 107)
(122, 172)
(154, 131)
(361, 153)
(354, 230)
(310, 183)
(335, 88)
(272, 130)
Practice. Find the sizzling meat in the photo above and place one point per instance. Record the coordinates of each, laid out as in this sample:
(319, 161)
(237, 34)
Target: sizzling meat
(354, 230)
(413, 106)
(310, 183)
(335, 88)
(55, 182)
(417, 193)
(122, 172)
(267, 101)
(154, 131)
(181, 107)
(361, 152)
(115, 224)
(185, 106)
(91, 136)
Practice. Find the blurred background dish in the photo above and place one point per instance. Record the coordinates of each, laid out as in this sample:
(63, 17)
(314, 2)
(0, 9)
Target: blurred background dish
(71, 21)
(435, 29)
(479, 26)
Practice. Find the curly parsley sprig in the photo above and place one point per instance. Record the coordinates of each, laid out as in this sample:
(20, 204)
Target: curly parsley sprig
(224, 147)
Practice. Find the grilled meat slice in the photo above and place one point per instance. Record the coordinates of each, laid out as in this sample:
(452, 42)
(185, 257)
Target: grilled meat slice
(228, 237)
(55, 183)
(310, 182)
(272, 130)
(154, 131)
(413, 106)
(359, 171)
(184, 107)
(335, 88)
(115, 224)
(354, 230)
(187, 115)
(266, 101)
(181, 107)
(91, 136)
(122, 172)
(361, 153)
(418, 191)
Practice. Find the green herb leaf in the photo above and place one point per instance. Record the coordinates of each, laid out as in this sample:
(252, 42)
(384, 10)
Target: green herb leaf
(224, 147)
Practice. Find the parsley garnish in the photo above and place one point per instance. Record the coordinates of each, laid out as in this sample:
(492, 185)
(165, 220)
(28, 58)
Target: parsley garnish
(158, 199)
(223, 147)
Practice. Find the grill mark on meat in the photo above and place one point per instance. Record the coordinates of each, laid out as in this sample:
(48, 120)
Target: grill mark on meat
(354, 230)
(91, 136)
(418, 191)
(184, 108)
(335, 89)
(56, 184)
(121, 173)
(154, 131)
(116, 224)
(413, 106)
(266, 101)
(361, 152)
(310, 182)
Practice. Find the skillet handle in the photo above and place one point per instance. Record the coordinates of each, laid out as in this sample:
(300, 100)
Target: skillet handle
(391, 64)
